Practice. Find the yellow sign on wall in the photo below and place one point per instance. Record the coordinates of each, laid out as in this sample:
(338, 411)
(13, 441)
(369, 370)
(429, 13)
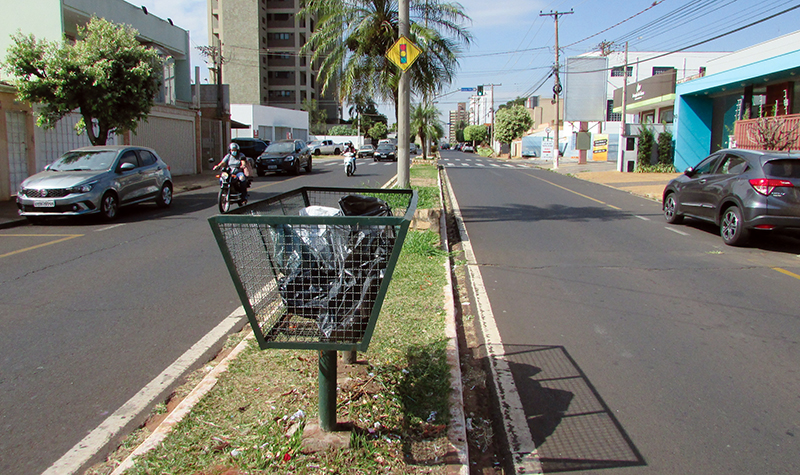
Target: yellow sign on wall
(403, 53)
(600, 148)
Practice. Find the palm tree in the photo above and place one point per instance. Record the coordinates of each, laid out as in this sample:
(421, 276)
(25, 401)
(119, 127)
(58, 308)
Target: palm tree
(352, 37)
(426, 125)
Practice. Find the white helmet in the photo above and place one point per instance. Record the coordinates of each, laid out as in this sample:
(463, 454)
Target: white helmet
(234, 147)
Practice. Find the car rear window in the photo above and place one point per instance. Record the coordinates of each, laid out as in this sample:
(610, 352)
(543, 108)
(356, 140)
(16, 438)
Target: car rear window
(786, 168)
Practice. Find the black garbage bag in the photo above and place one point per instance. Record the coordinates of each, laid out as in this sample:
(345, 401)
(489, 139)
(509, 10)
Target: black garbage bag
(360, 205)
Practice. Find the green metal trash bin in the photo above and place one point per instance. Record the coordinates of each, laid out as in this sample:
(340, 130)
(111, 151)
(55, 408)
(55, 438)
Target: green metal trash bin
(315, 281)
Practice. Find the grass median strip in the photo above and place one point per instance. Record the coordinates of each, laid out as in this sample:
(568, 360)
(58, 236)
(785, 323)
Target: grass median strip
(396, 397)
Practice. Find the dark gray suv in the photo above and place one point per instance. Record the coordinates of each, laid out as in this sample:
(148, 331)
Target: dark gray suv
(740, 191)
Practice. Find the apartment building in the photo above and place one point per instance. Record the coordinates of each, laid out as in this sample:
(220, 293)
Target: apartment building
(457, 116)
(260, 43)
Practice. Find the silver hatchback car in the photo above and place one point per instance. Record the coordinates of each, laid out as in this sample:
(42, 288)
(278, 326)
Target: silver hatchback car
(98, 179)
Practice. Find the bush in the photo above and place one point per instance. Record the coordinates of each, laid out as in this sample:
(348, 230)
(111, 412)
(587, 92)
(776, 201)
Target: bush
(646, 141)
(665, 150)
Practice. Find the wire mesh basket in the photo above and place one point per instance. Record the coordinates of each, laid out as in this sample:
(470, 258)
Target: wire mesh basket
(312, 266)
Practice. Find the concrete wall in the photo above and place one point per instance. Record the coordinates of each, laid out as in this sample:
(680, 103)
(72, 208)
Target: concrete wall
(275, 119)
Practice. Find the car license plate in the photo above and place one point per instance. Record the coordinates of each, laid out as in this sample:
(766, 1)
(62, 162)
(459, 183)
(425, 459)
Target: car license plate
(44, 204)
(272, 167)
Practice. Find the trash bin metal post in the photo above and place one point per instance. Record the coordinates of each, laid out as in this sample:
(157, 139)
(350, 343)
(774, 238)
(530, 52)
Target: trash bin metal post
(327, 390)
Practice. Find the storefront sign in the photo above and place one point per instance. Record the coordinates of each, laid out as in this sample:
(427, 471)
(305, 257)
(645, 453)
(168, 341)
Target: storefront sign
(600, 148)
(548, 148)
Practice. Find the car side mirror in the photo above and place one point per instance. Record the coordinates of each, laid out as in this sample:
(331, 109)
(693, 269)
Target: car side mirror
(690, 172)
(127, 166)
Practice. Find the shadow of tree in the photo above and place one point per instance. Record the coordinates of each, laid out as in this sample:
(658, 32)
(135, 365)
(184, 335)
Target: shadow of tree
(531, 213)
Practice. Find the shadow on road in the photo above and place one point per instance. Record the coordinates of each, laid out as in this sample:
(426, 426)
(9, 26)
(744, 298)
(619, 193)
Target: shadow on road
(572, 427)
(525, 212)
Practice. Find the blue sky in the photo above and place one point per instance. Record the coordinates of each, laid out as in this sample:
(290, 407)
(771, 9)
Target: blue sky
(514, 46)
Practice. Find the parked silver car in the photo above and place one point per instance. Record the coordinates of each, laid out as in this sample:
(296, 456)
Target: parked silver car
(98, 179)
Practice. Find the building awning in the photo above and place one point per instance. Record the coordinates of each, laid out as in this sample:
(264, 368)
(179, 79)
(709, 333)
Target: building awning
(238, 125)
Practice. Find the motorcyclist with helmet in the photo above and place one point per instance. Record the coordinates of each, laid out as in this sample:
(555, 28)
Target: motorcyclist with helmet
(236, 161)
(349, 148)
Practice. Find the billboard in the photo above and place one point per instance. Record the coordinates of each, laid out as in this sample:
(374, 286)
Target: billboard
(585, 92)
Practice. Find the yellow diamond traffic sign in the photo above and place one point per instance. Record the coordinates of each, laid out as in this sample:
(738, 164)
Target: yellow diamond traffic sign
(403, 53)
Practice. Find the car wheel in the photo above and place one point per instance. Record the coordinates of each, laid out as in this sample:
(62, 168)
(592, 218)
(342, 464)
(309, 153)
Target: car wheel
(109, 206)
(317, 152)
(296, 168)
(374, 159)
(308, 165)
(732, 227)
(164, 198)
(260, 172)
(670, 205)
(336, 151)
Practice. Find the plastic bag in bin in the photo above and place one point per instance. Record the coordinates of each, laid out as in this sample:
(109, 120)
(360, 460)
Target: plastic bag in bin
(333, 273)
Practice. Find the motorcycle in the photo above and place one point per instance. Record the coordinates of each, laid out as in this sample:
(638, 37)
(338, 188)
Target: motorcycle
(349, 163)
(228, 192)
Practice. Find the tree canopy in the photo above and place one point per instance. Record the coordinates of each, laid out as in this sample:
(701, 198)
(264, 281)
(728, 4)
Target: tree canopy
(316, 117)
(425, 123)
(107, 75)
(511, 123)
(351, 39)
(476, 134)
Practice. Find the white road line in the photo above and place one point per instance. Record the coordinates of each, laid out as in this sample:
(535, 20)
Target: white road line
(75, 459)
(643, 218)
(518, 435)
(109, 227)
(676, 231)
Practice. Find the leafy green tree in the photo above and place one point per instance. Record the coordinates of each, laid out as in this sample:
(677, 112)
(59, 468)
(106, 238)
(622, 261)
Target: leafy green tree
(343, 129)
(107, 75)
(462, 124)
(316, 117)
(378, 131)
(351, 38)
(665, 150)
(646, 141)
(425, 124)
(520, 101)
(511, 123)
(476, 134)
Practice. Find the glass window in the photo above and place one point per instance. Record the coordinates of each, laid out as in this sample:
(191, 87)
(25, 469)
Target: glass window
(662, 70)
(706, 166)
(129, 157)
(616, 72)
(733, 165)
(146, 157)
(786, 168)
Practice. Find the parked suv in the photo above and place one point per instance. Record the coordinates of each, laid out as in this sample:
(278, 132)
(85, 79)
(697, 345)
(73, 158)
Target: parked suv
(740, 191)
(250, 147)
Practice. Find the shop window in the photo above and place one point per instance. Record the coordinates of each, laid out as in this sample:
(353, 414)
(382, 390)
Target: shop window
(612, 116)
(666, 115)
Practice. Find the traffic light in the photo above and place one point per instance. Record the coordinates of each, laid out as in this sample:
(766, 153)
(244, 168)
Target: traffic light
(480, 90)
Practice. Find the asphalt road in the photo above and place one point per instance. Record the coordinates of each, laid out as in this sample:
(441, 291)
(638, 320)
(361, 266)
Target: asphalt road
(90, 313)
(635, 346)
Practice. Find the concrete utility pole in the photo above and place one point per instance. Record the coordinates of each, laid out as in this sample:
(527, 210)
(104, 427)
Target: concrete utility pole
(404, 106)
(557, 86)
(623, 138)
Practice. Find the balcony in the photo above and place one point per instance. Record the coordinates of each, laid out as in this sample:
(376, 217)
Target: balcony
(779, 133)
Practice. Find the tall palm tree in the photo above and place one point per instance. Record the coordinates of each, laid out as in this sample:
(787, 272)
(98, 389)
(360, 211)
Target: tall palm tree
(352, 36)
(425, 123)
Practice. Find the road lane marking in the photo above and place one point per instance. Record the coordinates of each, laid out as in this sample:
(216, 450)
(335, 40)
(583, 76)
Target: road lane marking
(79, 455)
(786, 272)
(518, 435)
(64, 237)
(643, 218)
(109, 227)
(575, 192)
(676, 231)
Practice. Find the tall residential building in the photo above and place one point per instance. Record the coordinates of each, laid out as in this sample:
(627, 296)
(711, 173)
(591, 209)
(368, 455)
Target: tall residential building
(260, 43)
(459, 115)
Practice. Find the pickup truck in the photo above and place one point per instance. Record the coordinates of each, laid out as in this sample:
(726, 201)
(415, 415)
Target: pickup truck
(325, 147)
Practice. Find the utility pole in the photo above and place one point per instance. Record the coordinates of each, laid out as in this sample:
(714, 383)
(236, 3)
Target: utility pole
(557, 86)
(403, 111)
(622, 135)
